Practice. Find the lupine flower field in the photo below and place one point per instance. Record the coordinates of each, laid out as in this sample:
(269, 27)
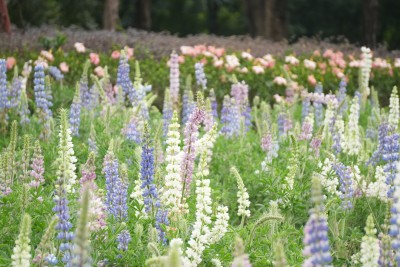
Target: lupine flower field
(206, 158)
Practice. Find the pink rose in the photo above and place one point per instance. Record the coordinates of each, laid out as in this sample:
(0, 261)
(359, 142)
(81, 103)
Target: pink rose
(10, 63)
(47, 55)
(129, 52)
(218, 63)
(115, 54)
(64, 67)
(80, 48)
(311, 80)
(99, 71)
(94, 58)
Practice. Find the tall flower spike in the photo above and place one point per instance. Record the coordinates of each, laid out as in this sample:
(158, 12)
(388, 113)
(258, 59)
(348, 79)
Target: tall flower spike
(221, 225)
(390, 155)
(319, 109)
(15, 90)
(200, 75)
(205, 145)
(341, 97)
(352, 132)
(189, 150)
(123, 79)
(116, 195)
(241, 258)
(42, 98)
(394, 231)
(150, 194)
(25, 159)
(167, 111)
(24, 111)
(173, 186)
(123, 240)
(37, 166)
(346, 184)
(66, 159)
(214, 104)
(75, 113)
(22, 251)
(92, 140)
(370, 245)
(243, 196)
(188, 105)
(80, 255)
(174, 77)
(45, 246)
(394, 109)
(316, 239)
(4, 102)
(365, 71)
(84, 86)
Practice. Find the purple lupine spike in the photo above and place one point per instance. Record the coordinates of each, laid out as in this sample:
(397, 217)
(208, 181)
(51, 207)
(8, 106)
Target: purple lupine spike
(315, 145)
(394, 230)
(161, 219)
(189, 150)
(94, 97)
(37, 167)
(4, 102)
(42, 98)
(281, 123)
(123, 79)
(346, 184)
(200, 75)
(316, 240)
(230, 117)
(131, 130)
(214, 104)
(75, 113)
(390, 155)
(174, 78)
(24, 111)
(56, 73)
(240, 92)
(167, 111)
(318, 107)
(383, 131)
(149, 194)
(341, 97)
(123, 239)
(117, 190)
(187, 106)
(15, 92)
(306, 103)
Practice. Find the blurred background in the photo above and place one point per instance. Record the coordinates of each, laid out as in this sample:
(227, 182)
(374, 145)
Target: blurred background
(362, 22)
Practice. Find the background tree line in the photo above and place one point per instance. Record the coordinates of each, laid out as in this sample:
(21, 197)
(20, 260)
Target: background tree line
(360, 21)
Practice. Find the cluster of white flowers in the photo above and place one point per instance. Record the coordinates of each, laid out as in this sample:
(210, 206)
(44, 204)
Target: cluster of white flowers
(328, 179)
(379, 188)
(221, 225)
(332, 105)
(243, 196)
(173, 185)
(352, 144)
(339, 129)
(137, 194)
(216, 262)
(365, 71)
(66, 159)
(394, 106)
(370, 249)
(22, 251)
(206, 144)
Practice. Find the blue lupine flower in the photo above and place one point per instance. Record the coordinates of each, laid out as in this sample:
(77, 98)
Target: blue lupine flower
(188, 105)
(51, 259)
(150, 194)
(42, 96)
(161, 218)
(15, 92)
(123, 79)
(306, 103)
(214, 104)
(167, 112)
(390, 155)
(230, 117)
(123, 240)
(117, 190)
(131, 130)
(56, 73)
(75, 113)
(200, 75)
(4, 103)
(377, 155)
(342, 97)
(346, 184)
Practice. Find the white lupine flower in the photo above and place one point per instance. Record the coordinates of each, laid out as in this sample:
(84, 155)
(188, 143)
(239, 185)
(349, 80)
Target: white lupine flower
(206, 144)
(332, 105)
(365, 71)
(339, 128)
(66, 159)
(137, 194)
(394, 109)
(370, 249)
(221, 225)
(379, 188)
(22, 251)
(243, 196)
(216, 262)
(328, 179)
(173, 185)
(352, 134)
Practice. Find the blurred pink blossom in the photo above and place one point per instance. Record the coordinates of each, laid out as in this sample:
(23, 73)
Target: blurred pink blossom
(218, 63)
(129, 51)
(115, 54)
(80, 48)
(232, 62)
(397, 63)
(258, 69)
(292, 60)
(181, 59)
(10, 63)
(187, 50)
(311, 80)
(317, 53)
(322, 65)
(309, 64)
(247, 55)
(47, 55)
(99, 71)
(328, 53)
(64, 67)
(278, 98)
(94, 58)
(280, 80)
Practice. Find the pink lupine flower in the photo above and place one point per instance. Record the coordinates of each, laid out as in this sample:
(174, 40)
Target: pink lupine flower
(10, 63)
(129, 52)
(115, 54)
(80, 48)
(99, 71)
(280, 80)
(258, 69)
(47, 55)
(94, 58)
(311, 80)
(64, 67)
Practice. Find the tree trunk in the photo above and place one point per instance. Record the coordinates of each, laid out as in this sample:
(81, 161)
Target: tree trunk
(110, 14)
(5, 25)
(143, 14)
(370, 21)
(267, 18)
